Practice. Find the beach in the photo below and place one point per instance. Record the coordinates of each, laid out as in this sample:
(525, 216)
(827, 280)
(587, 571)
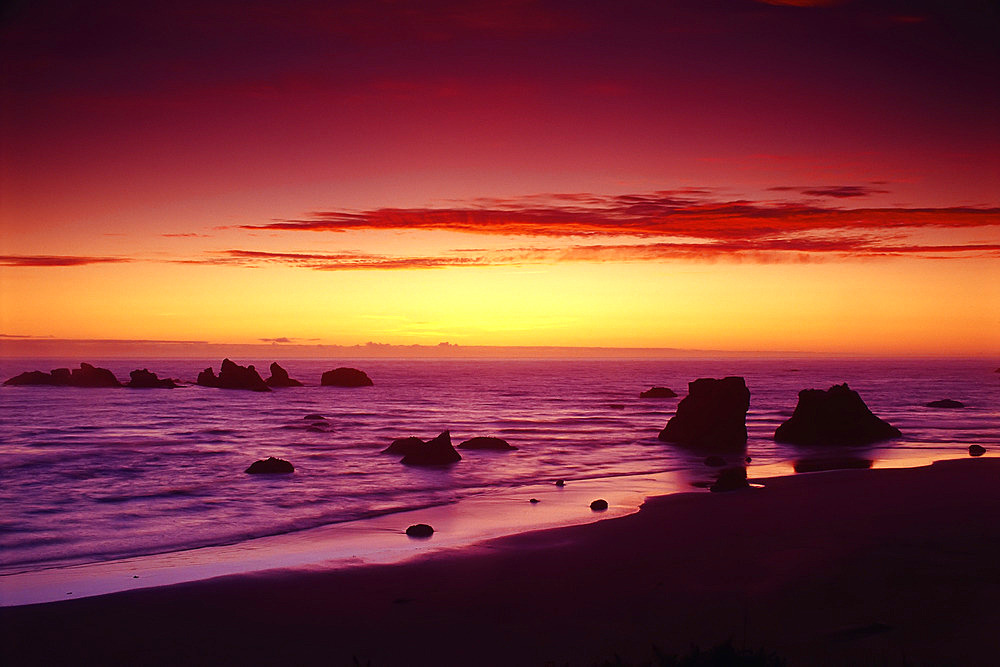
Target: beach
(883, 566)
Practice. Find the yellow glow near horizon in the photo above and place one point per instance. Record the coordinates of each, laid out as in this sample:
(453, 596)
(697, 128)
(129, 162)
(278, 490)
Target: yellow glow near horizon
(889, 306)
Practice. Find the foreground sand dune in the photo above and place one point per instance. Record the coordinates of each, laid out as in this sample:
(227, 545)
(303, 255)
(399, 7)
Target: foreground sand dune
(847, 567)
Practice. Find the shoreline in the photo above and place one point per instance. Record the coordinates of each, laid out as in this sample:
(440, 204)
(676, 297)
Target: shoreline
(885, 565)
(380, 540)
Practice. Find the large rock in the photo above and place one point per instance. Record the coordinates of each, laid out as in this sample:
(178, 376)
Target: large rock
(233, 376)
(713, 415)
(658, 392)
(836, 416)
(434, 452)
(345, 377)
(84, 376)
(483, 442)
(143, 379)
(279, 378)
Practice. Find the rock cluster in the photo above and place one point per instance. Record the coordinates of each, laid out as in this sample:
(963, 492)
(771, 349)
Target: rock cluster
(233, 376)
(836, 416)
(84, 376)
(416, 452)
(712, 415)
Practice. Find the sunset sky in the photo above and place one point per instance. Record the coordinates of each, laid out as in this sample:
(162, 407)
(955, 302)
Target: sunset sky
(760, 175)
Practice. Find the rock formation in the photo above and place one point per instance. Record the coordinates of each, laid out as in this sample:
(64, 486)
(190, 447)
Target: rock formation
(420, 530)
(837, 416)
(482, 442)
(712, 416)
(434, 452)
(345, 377)
(279, 378)
(233, 376)
(945, 403)
(658, 392)
(84, 376)
(976, 450)
(599, 505)
(270, 466)
(143, 379)
(404, 446)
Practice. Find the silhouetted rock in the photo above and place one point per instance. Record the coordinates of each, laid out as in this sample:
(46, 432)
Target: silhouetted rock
(560, 482)
(831, 463)
(36, 378)
(534, 501)
(715, 461)
(599, 505)
(433, 452)
(420, 530)
(279, 378)
(837, 416)
(315, 417)
(658, 392)
(404, 446)
(730, 479)
(345, 377)
(233, 376)
(143, 379)
(976, 450)
(84, 376)
(482, 442)
(270, 466)
(713, 415)
(945, 403)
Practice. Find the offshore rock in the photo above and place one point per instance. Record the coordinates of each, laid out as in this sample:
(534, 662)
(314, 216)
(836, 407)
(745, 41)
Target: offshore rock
(345, 377)
(658, 392)
(945, 403)
(481, 442)
(279, 378)
(233, 376)
(404, 446)
(37, 378)
(270, 466)
(434, 452)
(976, 450)
(712, 416)
(143, 379)
(84, 376)
(837, 416)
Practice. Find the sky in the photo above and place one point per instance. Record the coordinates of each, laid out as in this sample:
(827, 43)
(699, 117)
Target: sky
(814, 176)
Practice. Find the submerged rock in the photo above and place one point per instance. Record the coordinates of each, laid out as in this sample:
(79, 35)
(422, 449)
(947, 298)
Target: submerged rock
(730, 479)
(315, 417)
(945, 403)
(713, 415)
(599, 505)
(270, 466)
(345, 377)
(837, 416)
(233, 376)
(279, 378)
(434, 452)
(420, 530)
(483, 442)
(976, 450)
(143, 379)
(658, 392)
(84, 376)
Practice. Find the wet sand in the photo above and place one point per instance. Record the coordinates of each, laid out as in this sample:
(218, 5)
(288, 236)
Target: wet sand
(885, 566)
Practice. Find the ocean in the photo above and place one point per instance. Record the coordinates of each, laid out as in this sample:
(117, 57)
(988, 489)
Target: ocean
(94, 475)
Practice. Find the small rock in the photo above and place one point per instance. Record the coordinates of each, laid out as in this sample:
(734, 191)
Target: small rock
(345, 377)
(270, 466)
(420, 530)
(599, 505)
(560, 483)
(976, 450)
(534, 500)
(658, 392)
(944, 403)
(748, 459)
(482, 442)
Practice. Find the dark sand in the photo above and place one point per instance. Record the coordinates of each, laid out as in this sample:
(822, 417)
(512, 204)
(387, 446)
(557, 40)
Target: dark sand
(860, 567)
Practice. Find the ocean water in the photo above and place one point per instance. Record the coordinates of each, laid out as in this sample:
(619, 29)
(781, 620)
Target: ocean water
(90, 475)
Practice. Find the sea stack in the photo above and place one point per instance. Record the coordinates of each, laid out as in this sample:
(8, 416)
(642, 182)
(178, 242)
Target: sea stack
(143, 379)
(346, 377)
(279, 378)
(233, 376)
(712, 416)
(836, 416)
(434, 452)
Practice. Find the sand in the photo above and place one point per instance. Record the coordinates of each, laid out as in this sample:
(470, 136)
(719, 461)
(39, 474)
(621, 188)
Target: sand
(848, 567)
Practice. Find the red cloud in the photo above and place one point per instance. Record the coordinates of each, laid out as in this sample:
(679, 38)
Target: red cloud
(56, 260)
